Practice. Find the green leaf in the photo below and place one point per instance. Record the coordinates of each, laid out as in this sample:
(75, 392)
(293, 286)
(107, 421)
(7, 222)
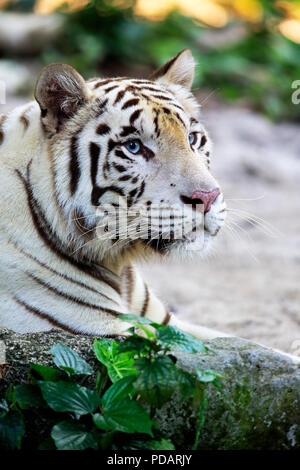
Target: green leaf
(105, 350)
(173, 338)
(207, 376)
(69, 397)
(118, 364)
(131, 318)
(149, 333)
(200, 421)
(137, 344)
(101, 380)
(186, 383)
(11, 430)
(69, 361)
(140, 322)
(156, 379)
(101, 423)
(124, 416)
(10, 394)
(69, 435)
(29, 395)
(118, 391)
(47, 373)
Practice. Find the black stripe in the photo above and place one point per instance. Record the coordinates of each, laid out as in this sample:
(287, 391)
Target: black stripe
(50, 239)
(140, 81)
(103, 129)
(147, 153)
(166, 319)
(156, 127)
(164, 69)
(74, 167)
(94, 153)
(2, 119)
(107, 90)
(203, 141)
(119, 96)
(121, 154)
(127, 130)
(98, 192)
(119, 168)
(161, 97)
(102, 82)
(130, 103)
(177, 106)
(142, 189)
(100, 106)
(72, 298)
(146, 301)
(63, 276)
(24, 120)
(135, 115)
(124, 178)
(106, 165)
(129, 273)
(150, 88)
(180, 119)
(44, 316)
(111, 145)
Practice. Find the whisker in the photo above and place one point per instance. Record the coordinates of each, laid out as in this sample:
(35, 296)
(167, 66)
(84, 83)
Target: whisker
(266, 227)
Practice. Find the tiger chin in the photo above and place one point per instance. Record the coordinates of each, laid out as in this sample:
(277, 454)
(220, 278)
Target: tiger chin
(82, 151)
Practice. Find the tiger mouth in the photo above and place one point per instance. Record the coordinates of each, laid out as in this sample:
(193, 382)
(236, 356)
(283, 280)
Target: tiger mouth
(163, 245)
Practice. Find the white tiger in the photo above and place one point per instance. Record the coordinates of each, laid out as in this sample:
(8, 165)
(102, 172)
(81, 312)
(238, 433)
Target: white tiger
(81, 146)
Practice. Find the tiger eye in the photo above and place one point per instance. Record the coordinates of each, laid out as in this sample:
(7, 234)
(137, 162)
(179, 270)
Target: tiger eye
(192, 138)
(133, 146)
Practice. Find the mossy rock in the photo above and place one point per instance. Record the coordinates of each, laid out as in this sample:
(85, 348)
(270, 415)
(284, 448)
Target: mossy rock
(258, 407)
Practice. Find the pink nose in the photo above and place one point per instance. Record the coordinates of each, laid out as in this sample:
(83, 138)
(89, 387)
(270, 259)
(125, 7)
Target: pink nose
(207, 198)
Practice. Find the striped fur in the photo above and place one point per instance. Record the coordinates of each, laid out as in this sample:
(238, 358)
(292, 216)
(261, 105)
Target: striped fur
(62, 158)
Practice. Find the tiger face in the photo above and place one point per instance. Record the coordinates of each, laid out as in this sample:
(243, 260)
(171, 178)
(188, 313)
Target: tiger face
(131, 160)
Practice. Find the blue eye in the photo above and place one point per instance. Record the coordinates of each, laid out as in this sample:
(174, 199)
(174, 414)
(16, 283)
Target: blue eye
(133, 146)
(192, 138)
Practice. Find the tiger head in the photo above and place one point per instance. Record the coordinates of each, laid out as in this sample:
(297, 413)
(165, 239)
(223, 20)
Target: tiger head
(130, 160)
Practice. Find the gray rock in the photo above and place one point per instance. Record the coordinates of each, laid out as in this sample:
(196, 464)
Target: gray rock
(258, 408)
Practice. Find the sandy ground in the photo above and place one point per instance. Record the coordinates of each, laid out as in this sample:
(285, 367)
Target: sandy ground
(249, 285)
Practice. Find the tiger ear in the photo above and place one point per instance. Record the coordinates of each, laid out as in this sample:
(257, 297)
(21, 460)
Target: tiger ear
(179, 70)
(60, 91)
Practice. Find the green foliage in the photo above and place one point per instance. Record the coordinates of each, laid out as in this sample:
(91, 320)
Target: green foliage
(117, 410)
(172, 337)
(69, 435)
(70, 361)
(257, 66)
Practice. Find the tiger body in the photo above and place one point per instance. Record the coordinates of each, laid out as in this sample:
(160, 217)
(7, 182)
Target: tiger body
(72, 151)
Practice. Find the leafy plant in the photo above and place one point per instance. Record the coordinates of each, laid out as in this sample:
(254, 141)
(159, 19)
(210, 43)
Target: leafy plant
(117, 409)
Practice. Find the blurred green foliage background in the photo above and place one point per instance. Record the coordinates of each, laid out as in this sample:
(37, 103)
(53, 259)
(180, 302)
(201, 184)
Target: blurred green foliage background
(249, 62)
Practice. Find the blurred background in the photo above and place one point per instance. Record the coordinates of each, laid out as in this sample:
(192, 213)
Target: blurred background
(247, 77)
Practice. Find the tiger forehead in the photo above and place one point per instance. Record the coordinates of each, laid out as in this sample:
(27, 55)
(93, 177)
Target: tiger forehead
(126, 93)
(141, 98)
